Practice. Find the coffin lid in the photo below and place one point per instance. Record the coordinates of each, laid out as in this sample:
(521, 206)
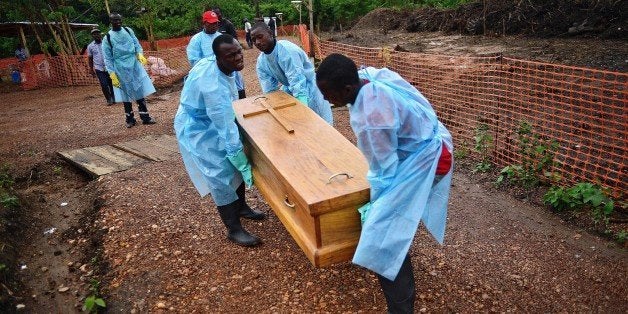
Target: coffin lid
(306, 159)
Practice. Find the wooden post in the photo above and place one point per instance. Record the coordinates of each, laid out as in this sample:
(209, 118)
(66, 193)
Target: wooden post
(23, 38)
(311, 32)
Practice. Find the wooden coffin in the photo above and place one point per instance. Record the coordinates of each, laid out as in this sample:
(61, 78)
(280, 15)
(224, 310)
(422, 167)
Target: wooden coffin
(313, 177)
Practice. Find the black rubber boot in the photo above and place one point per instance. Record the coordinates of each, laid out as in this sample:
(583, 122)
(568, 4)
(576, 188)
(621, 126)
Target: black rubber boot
(236, 233)
(128, 111)
(246, 211)
(143, 111)
(400, 293)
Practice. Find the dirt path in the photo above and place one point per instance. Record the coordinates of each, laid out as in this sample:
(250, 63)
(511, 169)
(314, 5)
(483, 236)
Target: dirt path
(154, 244)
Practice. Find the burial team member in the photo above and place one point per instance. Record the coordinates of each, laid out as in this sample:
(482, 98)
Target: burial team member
(209, 140)
(124, 59)
(409, 155)
(281, 61)
(200, 45)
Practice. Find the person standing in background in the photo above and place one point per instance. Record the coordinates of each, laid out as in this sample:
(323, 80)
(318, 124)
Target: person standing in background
(97, 66)
(200, 45)
(124, 60)
(247, 32)
(20, 53)
(272, 25)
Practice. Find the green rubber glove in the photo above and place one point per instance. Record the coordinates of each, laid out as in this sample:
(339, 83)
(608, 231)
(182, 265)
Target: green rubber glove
(303, 99)
(241, 163)
(364, 210)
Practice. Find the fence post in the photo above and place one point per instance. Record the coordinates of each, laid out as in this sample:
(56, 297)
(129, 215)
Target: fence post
(386, 56)
(500, 109)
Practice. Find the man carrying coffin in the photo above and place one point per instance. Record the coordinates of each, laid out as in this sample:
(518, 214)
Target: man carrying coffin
(281, 61)
(209, 139)
(409, 155)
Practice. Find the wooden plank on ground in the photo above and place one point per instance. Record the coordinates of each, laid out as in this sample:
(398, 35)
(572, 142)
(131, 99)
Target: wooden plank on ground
(146, 150)
(124, 159)
(168, 142)
(91, 163)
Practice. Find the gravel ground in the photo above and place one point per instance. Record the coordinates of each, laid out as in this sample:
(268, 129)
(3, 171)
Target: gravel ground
(163, 248)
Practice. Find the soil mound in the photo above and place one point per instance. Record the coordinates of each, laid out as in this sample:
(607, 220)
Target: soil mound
(538, 18)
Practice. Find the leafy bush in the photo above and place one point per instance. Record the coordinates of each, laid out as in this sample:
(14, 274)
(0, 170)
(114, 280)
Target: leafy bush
(9, 201)
(537, 159)
(483, 145)
(580, 196)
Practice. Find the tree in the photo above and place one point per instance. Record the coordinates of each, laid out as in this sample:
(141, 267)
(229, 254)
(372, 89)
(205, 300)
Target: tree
(55, 16)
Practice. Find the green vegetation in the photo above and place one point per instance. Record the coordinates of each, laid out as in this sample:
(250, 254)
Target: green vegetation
(158, 19)
(582, 196)
(6, 181)
(621, 236)
(93, 302)
(537, 159)
(7, 199)
(483, 146)
(461, 152)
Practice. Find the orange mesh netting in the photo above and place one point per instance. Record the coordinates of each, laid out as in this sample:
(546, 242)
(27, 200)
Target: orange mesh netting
(583, 110)
(165, 67)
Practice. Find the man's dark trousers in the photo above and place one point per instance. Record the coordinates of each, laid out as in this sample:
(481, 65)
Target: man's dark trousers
(106, 85)
(400, 292)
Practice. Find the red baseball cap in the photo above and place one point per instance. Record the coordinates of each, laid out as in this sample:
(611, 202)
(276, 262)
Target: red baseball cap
(210, 17)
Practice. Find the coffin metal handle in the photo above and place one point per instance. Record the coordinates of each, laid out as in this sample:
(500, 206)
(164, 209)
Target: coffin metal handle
(287, 202)
(348, 175)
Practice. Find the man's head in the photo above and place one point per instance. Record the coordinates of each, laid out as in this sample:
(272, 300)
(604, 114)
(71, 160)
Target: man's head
(210, 22)
(262, 37)
(116, 21)
(337, 78)
(218, 12)
(96, 35)
(228, 54)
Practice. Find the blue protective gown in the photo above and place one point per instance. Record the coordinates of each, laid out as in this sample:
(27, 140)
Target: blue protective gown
(121, 58)
(287, 64)
(207, 133)
(200, 46)
(401, 137)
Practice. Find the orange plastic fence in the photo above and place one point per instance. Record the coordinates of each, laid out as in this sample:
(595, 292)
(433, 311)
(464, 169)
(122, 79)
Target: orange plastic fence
(165, 67)
(583, 110)
(167, 43)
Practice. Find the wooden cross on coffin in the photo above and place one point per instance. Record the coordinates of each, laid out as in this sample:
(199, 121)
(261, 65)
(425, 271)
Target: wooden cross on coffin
(271, 109)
